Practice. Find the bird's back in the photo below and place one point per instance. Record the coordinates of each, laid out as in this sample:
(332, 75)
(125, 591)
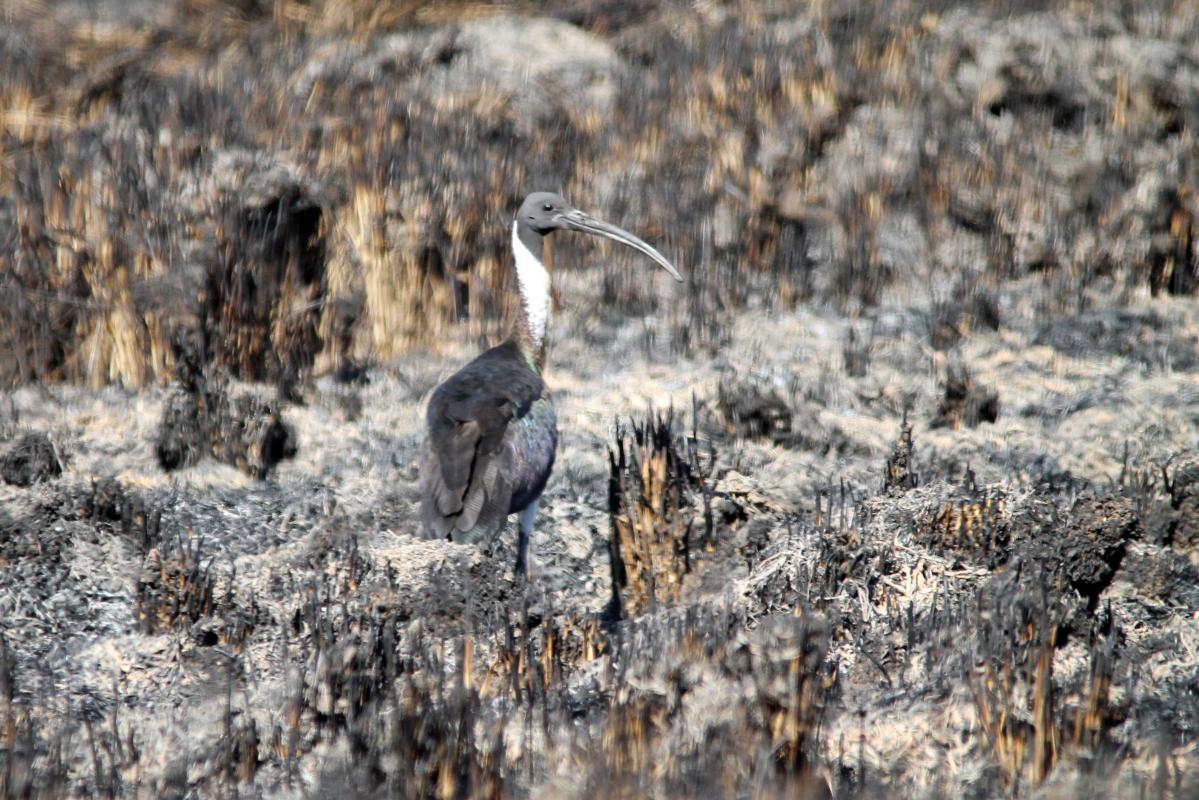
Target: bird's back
(490, 425)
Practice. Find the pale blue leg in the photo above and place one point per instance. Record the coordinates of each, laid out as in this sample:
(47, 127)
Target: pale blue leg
(525, 520)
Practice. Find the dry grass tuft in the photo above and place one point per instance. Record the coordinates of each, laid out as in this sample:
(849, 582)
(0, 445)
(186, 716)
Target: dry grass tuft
(979, 527)
(900, 474)
(762, 742)
(1030, 728)
(964, 401)
(655, 521)
(176, 590)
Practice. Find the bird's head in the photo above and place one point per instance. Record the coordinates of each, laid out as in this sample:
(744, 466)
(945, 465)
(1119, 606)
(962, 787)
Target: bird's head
(546, 212)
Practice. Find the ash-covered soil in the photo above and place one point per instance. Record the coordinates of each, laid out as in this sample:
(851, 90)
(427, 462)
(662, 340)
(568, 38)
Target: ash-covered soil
(285, 636)
(898, 495)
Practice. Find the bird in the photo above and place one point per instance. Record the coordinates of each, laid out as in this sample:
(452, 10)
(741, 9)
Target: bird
(491, 431)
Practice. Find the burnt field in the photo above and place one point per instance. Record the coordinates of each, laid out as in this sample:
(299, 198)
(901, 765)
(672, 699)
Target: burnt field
(896, 495)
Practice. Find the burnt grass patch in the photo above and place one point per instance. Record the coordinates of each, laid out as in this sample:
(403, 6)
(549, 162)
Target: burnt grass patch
(289, 188)
(1173, 520)
(1144, 337)
(232, 193)
(964, 401)
(31, 459)
(200, 418)
(425, 672)
(660, 509)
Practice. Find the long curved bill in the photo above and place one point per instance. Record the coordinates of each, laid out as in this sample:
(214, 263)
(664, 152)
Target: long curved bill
(577, 220)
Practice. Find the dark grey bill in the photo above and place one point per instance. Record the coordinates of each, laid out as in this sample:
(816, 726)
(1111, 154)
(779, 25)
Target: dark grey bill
(577, 220)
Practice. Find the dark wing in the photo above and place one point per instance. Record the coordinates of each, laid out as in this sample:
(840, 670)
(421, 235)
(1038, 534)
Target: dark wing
(466, 473)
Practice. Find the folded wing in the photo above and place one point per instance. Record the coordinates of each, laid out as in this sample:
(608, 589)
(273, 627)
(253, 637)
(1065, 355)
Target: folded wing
(467, 472)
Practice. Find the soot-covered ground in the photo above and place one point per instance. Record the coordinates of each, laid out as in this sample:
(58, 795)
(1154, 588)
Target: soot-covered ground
(918, 623)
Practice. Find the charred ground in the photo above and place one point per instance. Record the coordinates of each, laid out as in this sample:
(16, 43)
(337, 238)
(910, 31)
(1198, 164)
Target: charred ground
(922, 520)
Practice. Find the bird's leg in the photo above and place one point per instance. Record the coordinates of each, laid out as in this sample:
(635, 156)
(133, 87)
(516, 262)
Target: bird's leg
(525, 520)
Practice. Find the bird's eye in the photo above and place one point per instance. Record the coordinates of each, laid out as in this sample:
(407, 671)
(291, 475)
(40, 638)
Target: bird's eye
(548, 207)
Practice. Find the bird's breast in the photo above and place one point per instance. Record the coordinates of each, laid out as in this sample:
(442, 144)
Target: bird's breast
(533, 440)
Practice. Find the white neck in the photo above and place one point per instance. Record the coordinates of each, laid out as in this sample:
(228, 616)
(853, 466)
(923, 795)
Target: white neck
(534, 284)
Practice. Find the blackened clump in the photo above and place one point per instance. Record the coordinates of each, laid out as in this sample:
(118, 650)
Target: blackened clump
(31, 460)
(965, 402)
(201, 419)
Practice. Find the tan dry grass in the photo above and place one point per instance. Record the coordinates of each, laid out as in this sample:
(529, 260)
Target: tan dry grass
(718, 111)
